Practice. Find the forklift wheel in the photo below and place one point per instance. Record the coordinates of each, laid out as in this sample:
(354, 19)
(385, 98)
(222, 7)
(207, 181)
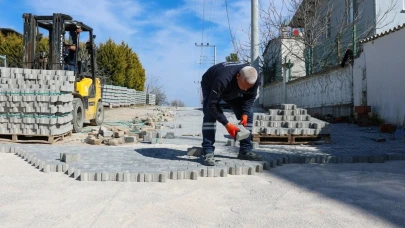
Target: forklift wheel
(99, 115)
(78, 115)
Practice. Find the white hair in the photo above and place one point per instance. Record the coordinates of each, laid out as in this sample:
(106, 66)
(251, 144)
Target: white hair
(249, 74)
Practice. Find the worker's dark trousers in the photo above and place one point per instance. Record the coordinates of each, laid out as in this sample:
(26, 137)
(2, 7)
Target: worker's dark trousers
(210, 123)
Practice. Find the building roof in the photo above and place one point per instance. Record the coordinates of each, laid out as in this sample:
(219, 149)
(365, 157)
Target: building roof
(371, 38)
(6, 31)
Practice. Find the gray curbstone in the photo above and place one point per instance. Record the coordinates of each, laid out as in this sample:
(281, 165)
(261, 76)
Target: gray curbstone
(394, 156)
(194, 175)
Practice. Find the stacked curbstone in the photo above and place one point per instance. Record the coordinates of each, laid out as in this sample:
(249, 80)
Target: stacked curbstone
(36, 102)
(288, 120)
(151, 99)
(116, 96)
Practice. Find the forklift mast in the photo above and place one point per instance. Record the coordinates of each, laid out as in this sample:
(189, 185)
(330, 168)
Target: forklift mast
(57, 25)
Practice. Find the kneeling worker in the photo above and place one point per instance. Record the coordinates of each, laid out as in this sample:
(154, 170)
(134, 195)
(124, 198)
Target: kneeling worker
(236, 84)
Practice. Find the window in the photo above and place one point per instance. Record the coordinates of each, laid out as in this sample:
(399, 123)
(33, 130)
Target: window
(349, 11)
(328, 29)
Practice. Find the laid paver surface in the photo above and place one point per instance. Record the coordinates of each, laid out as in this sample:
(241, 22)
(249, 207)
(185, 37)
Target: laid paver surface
(334, 195)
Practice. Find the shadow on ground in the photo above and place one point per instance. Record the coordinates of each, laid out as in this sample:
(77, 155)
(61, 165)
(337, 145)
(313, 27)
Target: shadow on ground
(377, 189)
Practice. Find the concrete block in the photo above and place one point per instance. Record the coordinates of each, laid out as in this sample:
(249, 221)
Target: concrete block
(195, 151)
(230, 142)
(118, 134)
(345, 159)
(173, 175)
(107, 134)
(112, 176)
(162, 177)
(84, 176)
(224, 172)
(130, 139)
(194, 175)
(251, 171)
(331, 159)
(381, 158)
(141, 177)
(394, 156)
(242, 134)
(360, 159)
(180, 175)
(148, 177)
(127, 177)
(170, 135)
(203, 172)
(133, 176)
(70, 157)
(255, 145)
(210, 172)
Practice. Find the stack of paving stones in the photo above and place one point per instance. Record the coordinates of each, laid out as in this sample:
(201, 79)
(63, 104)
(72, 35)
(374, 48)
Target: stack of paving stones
(161, 164)
(109, 96)
(151, 99)
(289, 120)
(117, 96)
(35, 102)
(140, 97)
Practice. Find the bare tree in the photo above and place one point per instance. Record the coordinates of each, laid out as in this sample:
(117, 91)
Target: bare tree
(153, 86)
(177, 103)
(325, 30)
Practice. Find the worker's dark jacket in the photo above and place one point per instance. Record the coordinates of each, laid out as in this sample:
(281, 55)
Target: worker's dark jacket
(221, 78)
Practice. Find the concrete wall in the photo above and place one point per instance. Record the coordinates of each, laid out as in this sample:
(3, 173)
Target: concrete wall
(328, 92)
(385, 58)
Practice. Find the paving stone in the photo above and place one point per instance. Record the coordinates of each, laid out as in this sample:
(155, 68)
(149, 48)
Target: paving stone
(394, 156)
(360, 159)
(377, 158)
(194, 175)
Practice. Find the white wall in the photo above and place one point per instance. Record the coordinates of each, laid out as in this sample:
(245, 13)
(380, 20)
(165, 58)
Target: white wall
(385, 58)
(327, 93)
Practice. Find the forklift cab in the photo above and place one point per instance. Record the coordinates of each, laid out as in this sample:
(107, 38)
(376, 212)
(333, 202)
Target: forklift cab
(67, 55)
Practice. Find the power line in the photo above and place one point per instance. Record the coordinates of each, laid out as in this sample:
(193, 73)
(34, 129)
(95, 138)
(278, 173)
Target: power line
(229, 26)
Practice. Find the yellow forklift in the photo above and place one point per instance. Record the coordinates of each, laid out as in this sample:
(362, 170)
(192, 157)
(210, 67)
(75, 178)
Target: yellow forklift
(87, 102)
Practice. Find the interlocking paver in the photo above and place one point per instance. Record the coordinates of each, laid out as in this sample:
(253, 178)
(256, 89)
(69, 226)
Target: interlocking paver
(159, 162)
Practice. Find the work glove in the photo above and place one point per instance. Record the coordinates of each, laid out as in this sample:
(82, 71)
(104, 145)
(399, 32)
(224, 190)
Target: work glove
(244, 120)
(232, 129)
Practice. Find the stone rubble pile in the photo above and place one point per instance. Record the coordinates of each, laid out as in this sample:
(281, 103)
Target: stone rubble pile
(111, 136)
(36, 102)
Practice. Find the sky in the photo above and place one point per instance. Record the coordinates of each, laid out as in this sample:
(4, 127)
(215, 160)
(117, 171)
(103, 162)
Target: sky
(163, 33)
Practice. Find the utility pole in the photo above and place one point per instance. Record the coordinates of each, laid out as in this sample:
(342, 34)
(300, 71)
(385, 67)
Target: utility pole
(254, 49)
(5, 59)
(208, 45)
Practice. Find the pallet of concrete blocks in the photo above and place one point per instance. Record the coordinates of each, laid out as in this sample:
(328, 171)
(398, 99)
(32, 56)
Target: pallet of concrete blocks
(108, 92)
(140, 97)
(289, 125)
(151, 99)
(36, 105)
(131, 93)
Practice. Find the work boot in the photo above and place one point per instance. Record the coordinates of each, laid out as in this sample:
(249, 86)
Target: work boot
(209, 159)
(251, 156)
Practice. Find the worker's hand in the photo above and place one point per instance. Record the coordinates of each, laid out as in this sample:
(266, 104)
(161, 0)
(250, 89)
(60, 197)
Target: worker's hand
(244, 120)
(232, 129)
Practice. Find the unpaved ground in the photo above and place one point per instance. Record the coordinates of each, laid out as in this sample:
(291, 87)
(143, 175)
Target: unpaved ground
(339, 195)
